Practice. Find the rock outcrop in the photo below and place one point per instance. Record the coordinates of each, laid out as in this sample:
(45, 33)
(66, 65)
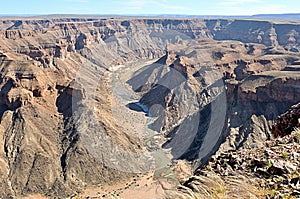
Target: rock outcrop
(271, 171)
(287, 122)
(56, 97)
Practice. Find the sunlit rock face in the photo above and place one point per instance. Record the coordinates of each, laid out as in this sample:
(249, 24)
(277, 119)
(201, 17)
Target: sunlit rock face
(89, 102)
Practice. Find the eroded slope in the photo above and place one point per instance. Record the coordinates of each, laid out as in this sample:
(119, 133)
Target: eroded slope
(56, 94)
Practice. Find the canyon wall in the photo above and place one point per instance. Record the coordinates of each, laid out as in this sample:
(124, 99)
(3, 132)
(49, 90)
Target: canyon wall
(48, 66)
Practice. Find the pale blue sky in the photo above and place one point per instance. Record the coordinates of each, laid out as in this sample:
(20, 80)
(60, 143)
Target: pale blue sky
(190, 7)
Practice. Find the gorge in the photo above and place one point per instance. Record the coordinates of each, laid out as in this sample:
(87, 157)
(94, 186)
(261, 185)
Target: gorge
(89, 102)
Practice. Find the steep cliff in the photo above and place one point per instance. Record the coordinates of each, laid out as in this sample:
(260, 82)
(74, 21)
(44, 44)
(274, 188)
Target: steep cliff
(58, 123)
(195, 114)
(287, 122)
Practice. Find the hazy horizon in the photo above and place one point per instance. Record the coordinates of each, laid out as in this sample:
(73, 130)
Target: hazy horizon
(149, 7)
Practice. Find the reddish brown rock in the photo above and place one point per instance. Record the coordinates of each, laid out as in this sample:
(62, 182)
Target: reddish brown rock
(287, 122)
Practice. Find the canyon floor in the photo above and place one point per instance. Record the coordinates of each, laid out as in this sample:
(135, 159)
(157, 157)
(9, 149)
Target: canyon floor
(149, 108)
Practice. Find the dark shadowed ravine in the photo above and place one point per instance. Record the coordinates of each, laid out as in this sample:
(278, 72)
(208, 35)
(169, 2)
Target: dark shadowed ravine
(147, 107)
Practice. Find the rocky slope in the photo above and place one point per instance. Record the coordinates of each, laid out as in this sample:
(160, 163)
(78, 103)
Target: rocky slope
(272, 169)
(57, 122)
(287, 122)
(235, 95)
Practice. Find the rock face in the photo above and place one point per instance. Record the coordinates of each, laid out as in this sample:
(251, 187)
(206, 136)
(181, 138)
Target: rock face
(56, 77)
(273, 171)
(259, 99)
(256, 90)
(287, 122)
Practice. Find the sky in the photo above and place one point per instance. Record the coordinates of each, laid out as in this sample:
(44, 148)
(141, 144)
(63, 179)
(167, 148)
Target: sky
(138, 7)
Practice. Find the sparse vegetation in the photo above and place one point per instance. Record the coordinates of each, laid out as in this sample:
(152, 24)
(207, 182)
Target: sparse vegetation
(285, 155)
(297, 135)
(58, 154)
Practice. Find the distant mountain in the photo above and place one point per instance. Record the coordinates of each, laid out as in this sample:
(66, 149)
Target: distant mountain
(290, 16)
(199, 16)
(287, 16)
(278, 16)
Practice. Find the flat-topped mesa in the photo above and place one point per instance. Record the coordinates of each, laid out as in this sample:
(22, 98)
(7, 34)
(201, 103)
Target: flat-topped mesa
(56, 84)
(248, 31)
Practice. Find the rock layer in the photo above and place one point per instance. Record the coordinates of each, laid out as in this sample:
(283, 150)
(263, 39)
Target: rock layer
(287, 122)
(56, 82)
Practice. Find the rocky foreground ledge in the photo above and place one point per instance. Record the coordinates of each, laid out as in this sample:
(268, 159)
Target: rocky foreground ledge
(272, 171)
(58, 98)
(287, 122)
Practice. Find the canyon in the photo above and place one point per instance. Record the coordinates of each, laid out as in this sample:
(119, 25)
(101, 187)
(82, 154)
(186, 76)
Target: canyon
(87, 103)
